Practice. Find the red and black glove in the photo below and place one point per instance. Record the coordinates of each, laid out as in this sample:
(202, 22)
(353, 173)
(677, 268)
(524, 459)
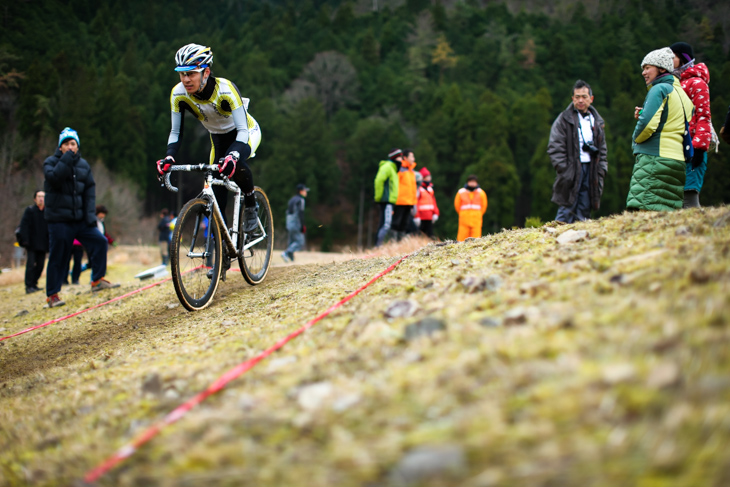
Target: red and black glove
(304, 229)
(228, 166)
(163, 165)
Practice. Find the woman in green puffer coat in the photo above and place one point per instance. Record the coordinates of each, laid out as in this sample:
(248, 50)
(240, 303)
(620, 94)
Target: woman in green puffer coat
(657, 181)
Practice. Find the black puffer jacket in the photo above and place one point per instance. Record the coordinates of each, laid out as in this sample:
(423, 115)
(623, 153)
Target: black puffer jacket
(70, 189)
(34, 229)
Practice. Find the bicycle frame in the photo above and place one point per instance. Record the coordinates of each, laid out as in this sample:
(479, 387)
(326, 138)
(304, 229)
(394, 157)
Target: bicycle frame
(230, 237)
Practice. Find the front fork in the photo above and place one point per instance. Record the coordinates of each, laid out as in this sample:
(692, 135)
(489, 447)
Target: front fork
(229, 243)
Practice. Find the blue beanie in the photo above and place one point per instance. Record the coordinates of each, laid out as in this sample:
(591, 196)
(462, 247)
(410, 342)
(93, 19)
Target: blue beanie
(68, 133)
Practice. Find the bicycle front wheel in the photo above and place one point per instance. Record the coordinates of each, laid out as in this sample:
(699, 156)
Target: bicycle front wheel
(195, 255)
(254, 252)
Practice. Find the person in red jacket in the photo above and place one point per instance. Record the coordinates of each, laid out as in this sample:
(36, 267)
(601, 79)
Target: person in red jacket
(695, 79)
(427, 209)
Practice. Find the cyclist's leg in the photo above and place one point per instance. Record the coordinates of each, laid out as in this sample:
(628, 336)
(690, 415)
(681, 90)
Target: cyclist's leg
(243, 177)
(218, 146)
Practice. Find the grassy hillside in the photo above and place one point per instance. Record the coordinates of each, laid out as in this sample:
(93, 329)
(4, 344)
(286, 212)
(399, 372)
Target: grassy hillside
(601, 362)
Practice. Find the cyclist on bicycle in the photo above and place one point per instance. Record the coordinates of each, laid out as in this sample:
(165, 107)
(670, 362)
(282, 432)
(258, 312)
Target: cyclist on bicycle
(234, 134)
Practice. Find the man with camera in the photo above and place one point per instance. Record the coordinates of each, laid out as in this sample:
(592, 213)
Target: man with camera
(577, 151)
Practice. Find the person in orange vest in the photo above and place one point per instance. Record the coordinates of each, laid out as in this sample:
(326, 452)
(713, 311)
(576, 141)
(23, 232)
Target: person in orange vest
(428, 210)
(470, 204)
(406, 193)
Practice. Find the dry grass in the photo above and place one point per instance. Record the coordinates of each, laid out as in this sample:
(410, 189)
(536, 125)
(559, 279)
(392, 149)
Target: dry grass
(13, 276)
(600, 363)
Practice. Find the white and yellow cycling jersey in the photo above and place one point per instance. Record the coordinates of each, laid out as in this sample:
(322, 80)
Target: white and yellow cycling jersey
(222, 112)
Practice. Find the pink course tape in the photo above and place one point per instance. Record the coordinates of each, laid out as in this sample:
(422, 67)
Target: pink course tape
(172, 417)
(118, 298)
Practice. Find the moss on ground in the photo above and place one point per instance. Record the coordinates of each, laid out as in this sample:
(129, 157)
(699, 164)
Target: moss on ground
(598, 363)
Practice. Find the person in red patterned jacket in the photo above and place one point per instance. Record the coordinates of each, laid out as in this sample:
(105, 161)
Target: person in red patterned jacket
(427, 211)
(695, 79)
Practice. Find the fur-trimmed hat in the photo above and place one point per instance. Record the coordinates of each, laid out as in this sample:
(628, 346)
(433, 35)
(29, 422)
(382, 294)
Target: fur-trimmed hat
(661, 58)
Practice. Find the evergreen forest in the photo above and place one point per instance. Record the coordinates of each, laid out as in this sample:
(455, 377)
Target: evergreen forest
(471, 86)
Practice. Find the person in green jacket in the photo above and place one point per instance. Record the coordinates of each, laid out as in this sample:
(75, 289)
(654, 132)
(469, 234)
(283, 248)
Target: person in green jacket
(386, 191)
(657, 181)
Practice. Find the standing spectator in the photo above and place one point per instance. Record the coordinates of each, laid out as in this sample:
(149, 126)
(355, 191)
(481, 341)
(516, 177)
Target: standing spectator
(416, 219)
(34, 237)
(77, 250)
(428, 210)
(163, 239)
(657, 181)
(694, 79)
(101, 213)
(577, 150)
(18, 254)
(70, 207)
(470, 204)
(77, 255)
(386, 192)
(725, 134)
(295, 223)
(406, 193)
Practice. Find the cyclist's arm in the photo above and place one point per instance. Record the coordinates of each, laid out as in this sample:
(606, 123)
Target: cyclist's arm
(174, 141)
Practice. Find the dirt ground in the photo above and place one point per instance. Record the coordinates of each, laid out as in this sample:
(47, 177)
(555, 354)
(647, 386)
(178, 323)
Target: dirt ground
(522, 358)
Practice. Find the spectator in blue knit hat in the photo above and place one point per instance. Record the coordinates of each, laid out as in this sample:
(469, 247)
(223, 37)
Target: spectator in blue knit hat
(71, 214)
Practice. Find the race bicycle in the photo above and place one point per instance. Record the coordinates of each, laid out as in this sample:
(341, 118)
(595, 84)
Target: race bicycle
(202, 246)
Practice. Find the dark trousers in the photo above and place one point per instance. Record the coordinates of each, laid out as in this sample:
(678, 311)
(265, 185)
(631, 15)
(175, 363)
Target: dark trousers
(34, 267)
(427, 227)
(400, 217)
(581, 209)
(77, 254)
(61, 237)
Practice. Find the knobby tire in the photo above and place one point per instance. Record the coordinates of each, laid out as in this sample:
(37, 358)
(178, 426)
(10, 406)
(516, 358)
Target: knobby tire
(190, 274)
(255, 261)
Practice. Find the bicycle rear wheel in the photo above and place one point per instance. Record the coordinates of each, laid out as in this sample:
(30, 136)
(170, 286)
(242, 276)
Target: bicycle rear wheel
(195, 257)
(255, 260)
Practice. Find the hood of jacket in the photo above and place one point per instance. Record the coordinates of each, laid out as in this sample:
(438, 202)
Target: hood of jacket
(662, 78)
(697, 71)
(388, 161)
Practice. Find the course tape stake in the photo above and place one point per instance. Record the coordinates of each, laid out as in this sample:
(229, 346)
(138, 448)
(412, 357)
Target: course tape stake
(172, 417)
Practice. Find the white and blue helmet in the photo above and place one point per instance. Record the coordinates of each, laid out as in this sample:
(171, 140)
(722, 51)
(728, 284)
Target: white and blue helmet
(193, 57)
